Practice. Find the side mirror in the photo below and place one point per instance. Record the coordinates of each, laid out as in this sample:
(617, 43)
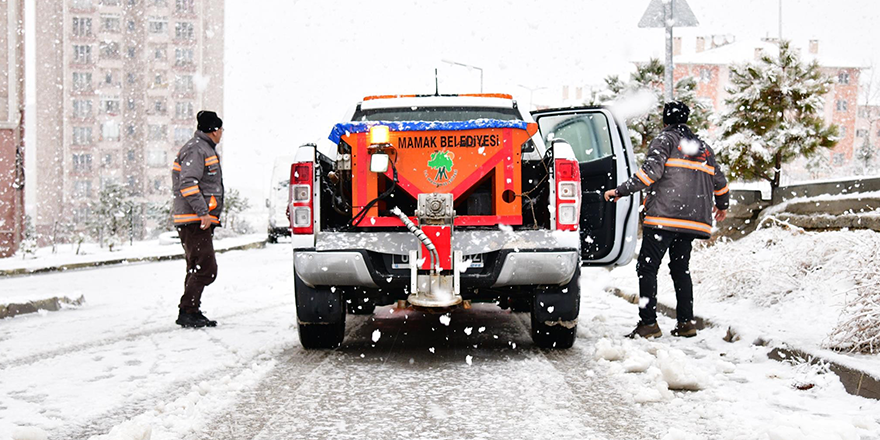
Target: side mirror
(379, 163)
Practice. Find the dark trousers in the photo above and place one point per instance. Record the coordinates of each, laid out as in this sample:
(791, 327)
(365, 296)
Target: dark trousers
(201, 266)
(655, 243)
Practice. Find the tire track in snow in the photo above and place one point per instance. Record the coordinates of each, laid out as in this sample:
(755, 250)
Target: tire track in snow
(598, 398)
(258, 406)
(128, 337)
(414, 382)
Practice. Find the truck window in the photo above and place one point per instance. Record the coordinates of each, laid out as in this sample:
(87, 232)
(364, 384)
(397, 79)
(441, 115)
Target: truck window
(451, 114)
(587, 134)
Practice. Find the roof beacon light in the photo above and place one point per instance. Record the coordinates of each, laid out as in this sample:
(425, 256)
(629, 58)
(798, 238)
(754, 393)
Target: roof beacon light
(379, 135)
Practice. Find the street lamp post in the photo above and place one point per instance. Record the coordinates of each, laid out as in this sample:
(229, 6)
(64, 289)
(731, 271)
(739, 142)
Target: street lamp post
(532, 91)
(456, 63)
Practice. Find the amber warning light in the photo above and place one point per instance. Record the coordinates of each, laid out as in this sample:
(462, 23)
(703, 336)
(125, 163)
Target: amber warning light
(379, 135)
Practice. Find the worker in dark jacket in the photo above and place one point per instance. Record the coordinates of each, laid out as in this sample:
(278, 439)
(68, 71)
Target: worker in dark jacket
(684, 188)
(197, 187)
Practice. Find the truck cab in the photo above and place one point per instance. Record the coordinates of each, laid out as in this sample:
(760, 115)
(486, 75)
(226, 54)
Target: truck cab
(442, 201)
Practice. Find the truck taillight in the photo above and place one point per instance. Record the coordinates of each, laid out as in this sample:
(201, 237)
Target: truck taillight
(302, 177)
(568, 195)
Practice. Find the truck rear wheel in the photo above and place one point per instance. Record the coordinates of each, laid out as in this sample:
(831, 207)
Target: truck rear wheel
(320, 314)
(554, 314)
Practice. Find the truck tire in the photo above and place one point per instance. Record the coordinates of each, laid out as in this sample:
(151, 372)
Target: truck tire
(554, 314)
(320, 315)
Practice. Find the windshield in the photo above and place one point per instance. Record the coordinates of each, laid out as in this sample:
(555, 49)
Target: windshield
(436, 114)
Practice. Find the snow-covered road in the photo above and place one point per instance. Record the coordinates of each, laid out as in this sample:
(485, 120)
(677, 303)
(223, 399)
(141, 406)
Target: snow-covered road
(119, 368)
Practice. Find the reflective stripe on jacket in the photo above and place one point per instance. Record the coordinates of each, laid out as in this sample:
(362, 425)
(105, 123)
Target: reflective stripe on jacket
(681, 189)
(197, 182)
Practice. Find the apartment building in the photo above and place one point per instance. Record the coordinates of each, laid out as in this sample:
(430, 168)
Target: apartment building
(11, 126)
(709, 60)
(118, 85)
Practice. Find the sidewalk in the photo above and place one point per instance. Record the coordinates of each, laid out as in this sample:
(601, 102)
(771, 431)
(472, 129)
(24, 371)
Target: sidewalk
(12, 304)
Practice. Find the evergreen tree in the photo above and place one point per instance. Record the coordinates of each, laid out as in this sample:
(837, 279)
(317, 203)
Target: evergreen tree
(773, 116)
(233, 204)
(112, 219)
(649, 76)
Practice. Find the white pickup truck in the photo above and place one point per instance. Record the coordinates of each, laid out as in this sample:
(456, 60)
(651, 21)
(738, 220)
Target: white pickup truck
(443, 201)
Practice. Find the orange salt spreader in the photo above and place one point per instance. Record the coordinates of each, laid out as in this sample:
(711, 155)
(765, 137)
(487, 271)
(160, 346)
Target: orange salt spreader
(437, 163)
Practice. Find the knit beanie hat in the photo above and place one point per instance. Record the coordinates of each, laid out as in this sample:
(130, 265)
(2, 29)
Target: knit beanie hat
(675, 112)
(208, 121)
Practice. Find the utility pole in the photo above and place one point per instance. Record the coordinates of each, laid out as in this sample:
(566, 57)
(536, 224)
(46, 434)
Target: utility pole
(667, 14)
(667, 80)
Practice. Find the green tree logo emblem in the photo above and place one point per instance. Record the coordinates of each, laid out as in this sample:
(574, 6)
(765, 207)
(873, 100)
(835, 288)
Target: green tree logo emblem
(442, 162)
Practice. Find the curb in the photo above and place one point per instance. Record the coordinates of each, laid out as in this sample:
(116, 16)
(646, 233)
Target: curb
(856, 382)
(8, 273)
(51, 304)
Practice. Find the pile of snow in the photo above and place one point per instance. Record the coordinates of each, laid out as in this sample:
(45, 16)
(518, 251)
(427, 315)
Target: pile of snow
(822, 282)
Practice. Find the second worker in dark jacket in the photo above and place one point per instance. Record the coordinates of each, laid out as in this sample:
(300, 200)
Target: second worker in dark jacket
(197, 186)
(684, 187)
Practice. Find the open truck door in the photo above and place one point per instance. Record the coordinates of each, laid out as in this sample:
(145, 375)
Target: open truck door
(606, 159)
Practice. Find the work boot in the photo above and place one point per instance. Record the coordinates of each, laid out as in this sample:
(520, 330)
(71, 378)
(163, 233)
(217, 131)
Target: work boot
(191, 320)
(208, 322)
(685, 329)
(646, 331)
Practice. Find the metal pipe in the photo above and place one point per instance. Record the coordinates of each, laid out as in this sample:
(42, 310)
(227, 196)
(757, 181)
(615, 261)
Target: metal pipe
(432, 250)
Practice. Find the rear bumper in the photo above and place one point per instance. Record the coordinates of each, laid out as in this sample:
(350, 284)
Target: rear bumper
(504, 268)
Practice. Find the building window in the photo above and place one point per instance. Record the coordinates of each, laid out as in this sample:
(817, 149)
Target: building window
(82, 54)
(81, 4)
(131, 78)
(110, 131)
(159, 107)
(82, 108)
(82, 81)
(157, 132)
(129, 155)
(837, 159)
(160, 3)
(132, 52)
(183, 84)
(157, 158)
(183, 110)
(109, 50)
(82, 162)
(159, 25)
(183, 57)
(842, 132)
(131, 130)
(841, 105)
(131, 104)
(157, 185)
(110, 23)
(184, 30)
(181, 135)
(110, 106)
(82, 27)
(843, 77)
(705, 75)
(131, 25)
(106, 161)
(158, 80)
(110, 2)
(184, 6)
(861, 133)
(864, 113)
(160, 53)
(82, 135)
(82, 188)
